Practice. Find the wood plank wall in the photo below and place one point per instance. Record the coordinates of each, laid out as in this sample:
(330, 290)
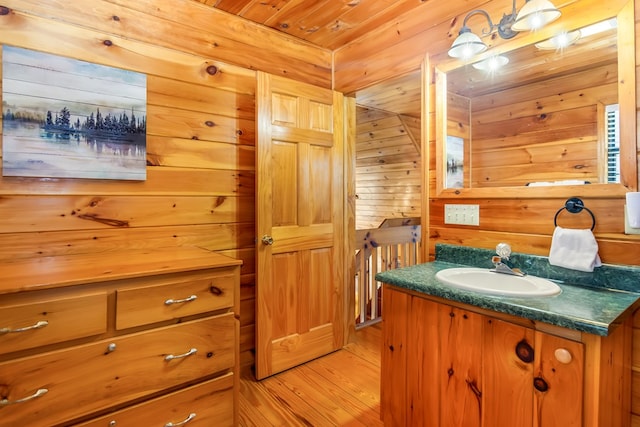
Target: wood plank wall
(566, 136)
(200, 133)
(387, 167)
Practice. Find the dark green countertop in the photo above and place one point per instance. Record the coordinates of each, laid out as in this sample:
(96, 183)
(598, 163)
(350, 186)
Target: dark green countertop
(592, 309)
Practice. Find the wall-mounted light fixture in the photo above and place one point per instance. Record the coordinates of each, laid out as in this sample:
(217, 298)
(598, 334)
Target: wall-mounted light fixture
(534, 15)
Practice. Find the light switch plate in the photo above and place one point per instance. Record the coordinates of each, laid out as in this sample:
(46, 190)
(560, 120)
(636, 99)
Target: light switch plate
(627, 228)
(462, 214)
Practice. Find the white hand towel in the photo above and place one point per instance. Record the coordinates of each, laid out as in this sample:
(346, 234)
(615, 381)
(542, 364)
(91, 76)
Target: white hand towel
(576, 249)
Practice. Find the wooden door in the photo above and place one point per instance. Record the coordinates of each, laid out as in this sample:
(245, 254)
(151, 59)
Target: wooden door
(300, 225)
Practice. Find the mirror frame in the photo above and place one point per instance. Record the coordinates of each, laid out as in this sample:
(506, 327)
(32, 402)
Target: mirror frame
(626, 100)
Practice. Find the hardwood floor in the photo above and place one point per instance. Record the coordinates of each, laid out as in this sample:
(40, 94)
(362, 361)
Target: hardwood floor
(340, 389)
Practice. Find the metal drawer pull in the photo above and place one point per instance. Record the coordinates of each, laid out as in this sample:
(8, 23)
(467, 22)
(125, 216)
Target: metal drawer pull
(180, 356)
(40, 324)
(40, 392)
(181, 423)
(178, 301)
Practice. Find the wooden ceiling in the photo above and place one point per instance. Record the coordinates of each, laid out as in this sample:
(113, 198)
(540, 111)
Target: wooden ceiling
(326, 23)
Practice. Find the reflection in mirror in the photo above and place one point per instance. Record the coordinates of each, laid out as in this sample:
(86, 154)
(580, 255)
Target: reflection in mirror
(548, 116)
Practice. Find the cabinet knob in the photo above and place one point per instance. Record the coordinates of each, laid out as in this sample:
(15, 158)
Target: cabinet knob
(563, 355)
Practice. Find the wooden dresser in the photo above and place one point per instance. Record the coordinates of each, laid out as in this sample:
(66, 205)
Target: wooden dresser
(117, 340)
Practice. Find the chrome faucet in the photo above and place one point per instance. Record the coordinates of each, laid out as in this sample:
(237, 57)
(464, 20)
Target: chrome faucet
(501, 261)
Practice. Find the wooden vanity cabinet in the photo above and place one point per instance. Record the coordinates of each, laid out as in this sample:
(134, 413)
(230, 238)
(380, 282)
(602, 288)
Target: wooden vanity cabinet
(456, 365)
(126, 340)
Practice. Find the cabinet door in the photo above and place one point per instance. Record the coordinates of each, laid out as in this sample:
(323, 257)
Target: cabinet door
(558, 381)
(460, 367)
(508, 360)
(423, 359)
(393, 381)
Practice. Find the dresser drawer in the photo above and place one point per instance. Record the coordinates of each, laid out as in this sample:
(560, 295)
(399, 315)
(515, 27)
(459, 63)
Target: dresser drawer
(48, 321)
(84, 379)
(203, 405)
(166, 300)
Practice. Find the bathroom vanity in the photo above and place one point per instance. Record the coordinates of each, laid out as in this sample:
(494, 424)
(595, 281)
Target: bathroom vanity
(456, 357)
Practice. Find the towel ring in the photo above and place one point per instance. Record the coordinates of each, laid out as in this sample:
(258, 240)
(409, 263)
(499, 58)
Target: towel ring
(574, 205)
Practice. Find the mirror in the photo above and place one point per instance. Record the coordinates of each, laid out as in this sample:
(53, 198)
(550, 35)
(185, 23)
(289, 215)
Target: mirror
(545, 118)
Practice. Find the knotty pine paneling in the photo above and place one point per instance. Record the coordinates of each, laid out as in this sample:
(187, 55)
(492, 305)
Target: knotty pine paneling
(388, 167)
(564, 126)
(200, 65)
(180, 26)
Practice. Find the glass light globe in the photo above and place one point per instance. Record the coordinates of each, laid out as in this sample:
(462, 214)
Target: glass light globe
(535, 14)
(466, 45)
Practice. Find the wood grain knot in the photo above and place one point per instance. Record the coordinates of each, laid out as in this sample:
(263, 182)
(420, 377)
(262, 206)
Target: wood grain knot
(107, 43)
(115, 18)
(4, 10)
(209, 123)
(474, 388)
(106, 221)
(215, 290)
(212, 70)
(524, 351)
(540, 384)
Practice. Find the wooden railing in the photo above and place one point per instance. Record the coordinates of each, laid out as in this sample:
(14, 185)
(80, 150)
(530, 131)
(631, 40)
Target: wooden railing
(377, 250)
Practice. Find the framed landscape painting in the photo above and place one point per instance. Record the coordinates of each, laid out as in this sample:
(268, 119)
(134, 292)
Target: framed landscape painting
(65, 118)
(455, 162)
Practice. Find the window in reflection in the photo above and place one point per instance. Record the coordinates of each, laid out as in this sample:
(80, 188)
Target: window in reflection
(613, 142)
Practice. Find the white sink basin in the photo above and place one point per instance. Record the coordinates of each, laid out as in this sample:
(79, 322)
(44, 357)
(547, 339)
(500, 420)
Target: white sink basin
(486, 281)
